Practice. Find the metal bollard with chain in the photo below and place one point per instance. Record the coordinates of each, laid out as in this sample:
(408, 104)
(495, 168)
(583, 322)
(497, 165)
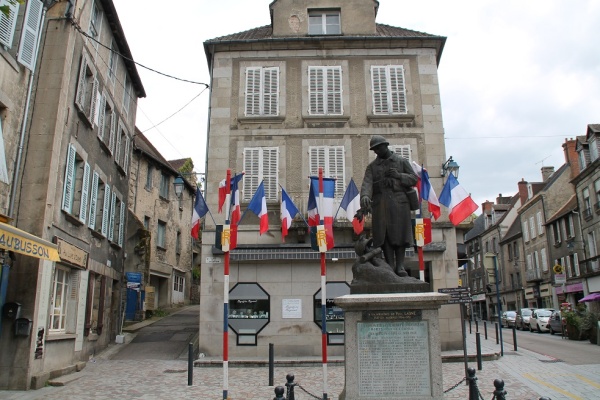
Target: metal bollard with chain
(290, 386)
(472, 380)
(279, 391)
(499, 393)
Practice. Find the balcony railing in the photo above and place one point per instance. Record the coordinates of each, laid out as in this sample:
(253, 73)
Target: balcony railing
(533, 275)
(587, 213)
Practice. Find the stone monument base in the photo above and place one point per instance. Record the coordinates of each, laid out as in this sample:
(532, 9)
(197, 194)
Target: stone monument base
(392, 346)
(405, 285)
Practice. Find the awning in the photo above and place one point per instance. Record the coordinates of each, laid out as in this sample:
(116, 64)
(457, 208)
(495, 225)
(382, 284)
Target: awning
(19, 241)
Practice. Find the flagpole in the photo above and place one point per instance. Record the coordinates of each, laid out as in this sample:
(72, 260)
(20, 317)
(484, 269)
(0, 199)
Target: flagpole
(420, 248)
(226, 292)
(323, 291)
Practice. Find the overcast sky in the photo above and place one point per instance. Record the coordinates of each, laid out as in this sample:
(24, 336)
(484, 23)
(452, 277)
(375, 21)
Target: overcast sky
(516, 77)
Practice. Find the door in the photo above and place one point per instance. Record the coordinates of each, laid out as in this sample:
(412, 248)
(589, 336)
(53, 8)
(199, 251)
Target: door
(178, 285)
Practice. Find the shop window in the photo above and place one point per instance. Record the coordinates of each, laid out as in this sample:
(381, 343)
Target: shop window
(334, 315)
(249, 308)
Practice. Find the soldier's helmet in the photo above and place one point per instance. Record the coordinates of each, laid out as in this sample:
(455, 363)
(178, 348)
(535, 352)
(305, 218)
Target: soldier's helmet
(376, 140)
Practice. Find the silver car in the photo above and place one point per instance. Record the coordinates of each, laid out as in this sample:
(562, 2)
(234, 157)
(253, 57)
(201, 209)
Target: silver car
(539, 320)
(522, 320)
(508, 318)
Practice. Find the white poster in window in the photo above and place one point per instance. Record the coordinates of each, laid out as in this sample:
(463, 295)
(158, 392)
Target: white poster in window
(291, 308)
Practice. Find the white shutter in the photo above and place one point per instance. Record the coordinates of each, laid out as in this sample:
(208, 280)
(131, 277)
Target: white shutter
(334, 91)
(270, 101)
(525, 231)
(253, 91)
(93, 201)
(121, 224)
(29, 36)
(317, 157)
(8, 23)
(3, 169)
(402, 150)
(113, 132)
(532, 227)
(101, 117)
(69, 186)
(540, 222)
(252, 169)
(378, 89)
(111, 225)
(315, 91)
(80, 97)
(270, 162)
(106, 210)
(335, 168)
(126, 155)
(93, 102)
(84, 193)
(118, 144)
(544, 260)
(397, 90)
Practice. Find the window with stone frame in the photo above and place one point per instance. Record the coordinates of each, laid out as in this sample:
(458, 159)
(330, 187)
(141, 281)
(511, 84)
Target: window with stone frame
(149, 174)
(87, 90)
(262, 91)
(325, 90)
(331, 159)
(8, 23)
(116, 228)
(324, 22)
(113, 61)
(76, 185)
(164, 185)
(95, 24)
(525, 231)
(64, 300)
(122, 148)
(94, 313)
(261, 164)
(100, 199)
(126, 94)
(597, 192)
(388, 89)
(161, 234)
(107, 123)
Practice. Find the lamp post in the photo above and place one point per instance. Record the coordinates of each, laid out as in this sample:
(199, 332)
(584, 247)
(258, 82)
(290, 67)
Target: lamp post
(491, 262)
(450, 167)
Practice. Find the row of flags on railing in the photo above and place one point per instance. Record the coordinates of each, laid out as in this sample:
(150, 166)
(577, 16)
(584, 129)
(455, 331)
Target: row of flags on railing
(453, 196)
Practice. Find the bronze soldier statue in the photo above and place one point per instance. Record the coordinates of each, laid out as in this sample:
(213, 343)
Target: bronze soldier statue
(384, 191)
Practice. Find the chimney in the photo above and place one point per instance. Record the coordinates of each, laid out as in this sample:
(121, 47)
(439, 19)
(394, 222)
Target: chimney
(571, 156)
(523, 191)
(502, 200)
(486, 207)
(547, 173)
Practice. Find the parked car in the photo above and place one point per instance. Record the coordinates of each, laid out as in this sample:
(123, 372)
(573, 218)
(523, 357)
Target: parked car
(522, 320)
(539, 320)
(555, 323)
(509, 318)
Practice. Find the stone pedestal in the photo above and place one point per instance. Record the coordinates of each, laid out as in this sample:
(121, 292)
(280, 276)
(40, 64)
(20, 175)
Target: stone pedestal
(392, 348)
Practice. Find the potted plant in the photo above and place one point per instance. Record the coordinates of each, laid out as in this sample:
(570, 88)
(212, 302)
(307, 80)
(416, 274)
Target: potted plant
(573, 323)
(589, 325)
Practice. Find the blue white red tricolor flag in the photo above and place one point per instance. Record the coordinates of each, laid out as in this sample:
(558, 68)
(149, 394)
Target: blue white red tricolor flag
(288, 212)
(456, 198)
(222, 192)
(258, 205)
(351, 204)
(324, 212)
(200, 210)
(426, 191)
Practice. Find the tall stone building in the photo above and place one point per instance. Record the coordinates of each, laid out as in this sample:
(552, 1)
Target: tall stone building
(308, 91)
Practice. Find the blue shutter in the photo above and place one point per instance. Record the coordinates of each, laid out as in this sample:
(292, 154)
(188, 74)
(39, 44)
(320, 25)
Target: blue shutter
(106, 210)
(84, 193)
(111, 219)
(69, 186)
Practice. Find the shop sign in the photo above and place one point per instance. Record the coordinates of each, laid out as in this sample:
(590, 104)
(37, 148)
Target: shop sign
(559, 279)
(19, 241)
(291, 308)
(71, 254)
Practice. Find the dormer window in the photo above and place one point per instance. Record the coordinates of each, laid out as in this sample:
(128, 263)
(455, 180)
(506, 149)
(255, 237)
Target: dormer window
(324, 22)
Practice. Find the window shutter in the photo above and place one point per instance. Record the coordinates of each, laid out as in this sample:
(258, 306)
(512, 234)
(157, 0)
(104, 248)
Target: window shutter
(3, 169)
(111, 226)
(544, 260)
(93, 201)
(252, 168)
(94, 102)
(126, 155)
(397, 90)
(118, 143)
(8, 23)
(315, 91)
(271, 91)
(378, 88)
(335, 169)
(69, 179)
(80, 97)
(84, 193)
(121, 224)
(334, 91)
(253, 91)
(270, 161)
(402, 150)
(101, 117)
(316, 159)
(113, 132)
(29, 36)
(106, 210)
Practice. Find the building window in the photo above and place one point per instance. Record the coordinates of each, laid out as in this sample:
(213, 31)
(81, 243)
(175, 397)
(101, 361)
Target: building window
(540, 222)
(8, 23)
(331, 159)
(3, 169)
(597, 191)
(261, 164)
(402, 150)
(569, 227)
(164, 185)
(262, 91)
(147, 223)
(76, 186)
(122, 148)
(87, 91)
(161, 234)
(525, 231)
(593, 144)
(532, 227)
(593, 249)
(107, 121)
(95, 25)
(94, 314)
(587, 205)
(100, 200)
(388, 90)
(116, 229)
(575, 264)
(112, 61)
(325, 90)
(324, 22)
(582, 159)
(149, 172)
(178, 283)
(61, 294)
(334, 315)
(249, 309)
(556, 232)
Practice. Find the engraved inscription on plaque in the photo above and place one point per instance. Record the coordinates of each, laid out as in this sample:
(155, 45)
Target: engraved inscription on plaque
(393, 359)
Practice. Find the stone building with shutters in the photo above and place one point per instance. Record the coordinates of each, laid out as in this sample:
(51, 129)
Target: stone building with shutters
(307, 92)
(70, 187)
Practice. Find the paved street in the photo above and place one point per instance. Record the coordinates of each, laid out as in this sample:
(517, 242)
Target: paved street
(111, 375)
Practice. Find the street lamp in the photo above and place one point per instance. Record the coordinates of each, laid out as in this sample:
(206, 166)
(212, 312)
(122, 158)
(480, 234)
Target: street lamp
(490, 263)
(178, 183)
(450, 167)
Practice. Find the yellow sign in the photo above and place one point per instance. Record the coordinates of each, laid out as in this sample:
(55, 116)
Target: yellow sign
(71, 253)
(225, 238)
(321, 238)
(558, 269)
(19, 241)
(420, 232)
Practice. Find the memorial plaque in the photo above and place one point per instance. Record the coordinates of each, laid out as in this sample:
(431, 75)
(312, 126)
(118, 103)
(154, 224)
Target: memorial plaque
(393, 359)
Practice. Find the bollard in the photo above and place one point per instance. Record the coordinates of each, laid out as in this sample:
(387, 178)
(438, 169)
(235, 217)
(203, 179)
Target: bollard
(499, 393)
(497, 341)
(290, 386)
(190, 363)
(472, 381)
(514, 338)
(271, 363)
(470, 327)
(279, 391)
(476, 326)
(485, 329)
(478, 345)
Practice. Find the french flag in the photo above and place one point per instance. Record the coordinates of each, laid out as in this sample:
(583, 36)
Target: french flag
(200, 210)
(325, 213)
(288, 212)
(236, 211)
(351, 204)
(426, 191)
(456, 198)
(223, 192)
(258, 205)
